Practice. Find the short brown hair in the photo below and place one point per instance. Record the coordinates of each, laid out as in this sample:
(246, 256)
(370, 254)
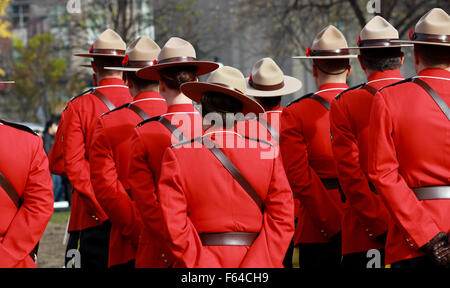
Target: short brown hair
(139, 83)
(382, 59)
(101, 62)
(433, 55)
(332, 66)
(173, 77)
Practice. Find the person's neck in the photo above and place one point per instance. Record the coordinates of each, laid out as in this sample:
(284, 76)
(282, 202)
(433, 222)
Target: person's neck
(175, 97)
(134, 93)
(100, 79)
(320, 81)
(421, 67)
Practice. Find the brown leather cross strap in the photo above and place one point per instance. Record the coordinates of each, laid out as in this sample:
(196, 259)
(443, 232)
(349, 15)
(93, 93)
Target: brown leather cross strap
(9, 189)
(432, 192)
(234, 171)
(138, 110)
(104, 99)
(172, 128)
(228, 238)
(370, 89)
(322, 101)
(271, 130)
(441, 103)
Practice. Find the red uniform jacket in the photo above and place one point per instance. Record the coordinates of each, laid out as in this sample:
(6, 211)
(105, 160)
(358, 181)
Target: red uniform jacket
(80, 119)
(24, 163)
(56, 156)
(148, 144)
(198, 195)
(305, 144)
(366, 216)
(409, 147)
(109, 162)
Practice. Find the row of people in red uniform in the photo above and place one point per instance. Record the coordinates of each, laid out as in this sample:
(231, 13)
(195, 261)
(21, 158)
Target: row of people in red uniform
(152, 188)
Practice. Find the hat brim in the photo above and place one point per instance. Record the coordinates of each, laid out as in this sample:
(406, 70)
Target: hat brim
(7, 82)
(378, 47)
(420, 42)
(152, 72)
(123, 69)
(195, 90)
(327, 57)
(291, 85)
(92, 55)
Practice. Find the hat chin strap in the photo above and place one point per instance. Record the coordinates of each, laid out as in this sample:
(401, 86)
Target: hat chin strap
(332, 73)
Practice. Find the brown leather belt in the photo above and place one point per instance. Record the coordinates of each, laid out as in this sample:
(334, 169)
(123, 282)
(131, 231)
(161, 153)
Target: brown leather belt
(432, 192)
(228, 238)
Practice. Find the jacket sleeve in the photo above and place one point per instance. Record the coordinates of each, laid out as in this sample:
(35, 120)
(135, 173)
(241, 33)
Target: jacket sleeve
(108, 189)
(354, 183)
(304, 182)
(278, 224)
(30, 222)
(142, 183)
(76, 165)
(55, 156)
(400, 200)
(183, 239)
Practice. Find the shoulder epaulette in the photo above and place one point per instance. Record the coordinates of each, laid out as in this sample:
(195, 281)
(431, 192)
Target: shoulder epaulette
(84, 93)
(156, 118)
(115, 109)
(396, 83)
(351, 88)
(301, 98)
(19, 126)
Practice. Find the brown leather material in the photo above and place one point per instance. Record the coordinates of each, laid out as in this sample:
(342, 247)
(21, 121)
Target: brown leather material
(266, 87)
(104, 99)
(228, 238)
(108, 51)
(370, 89)
(15, 198)
(138, 64)
(234, 171)
(441, 103)
(376, 42)
(271, 130)
(172, 128)
(138, 111)
(322, 101)
(432, 192)
(430, 37)
(337, 52)
(177, 59)
(227, 86)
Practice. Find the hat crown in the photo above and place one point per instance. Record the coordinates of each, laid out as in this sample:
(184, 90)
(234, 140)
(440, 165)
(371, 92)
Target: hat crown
(143, 49)
(330, 38)
(436, 22)
(110, 40)
(378, 28)
(176, 47)
(228, 76)
(267, 72)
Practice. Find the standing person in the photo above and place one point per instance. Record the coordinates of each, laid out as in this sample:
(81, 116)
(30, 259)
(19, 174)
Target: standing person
(409, 156)
(176, 64)
(267, 84)
(110, 151)
(365, 222)
(26, 195)
(89, 226)
(226, 223)
(308, 160)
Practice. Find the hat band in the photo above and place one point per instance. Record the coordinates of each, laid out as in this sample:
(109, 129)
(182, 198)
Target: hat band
(266, 87)
(108, 51)
(376, 42)
(336, 52)
(138, 64)
(226, 86)
(430, 37)
(177, 59)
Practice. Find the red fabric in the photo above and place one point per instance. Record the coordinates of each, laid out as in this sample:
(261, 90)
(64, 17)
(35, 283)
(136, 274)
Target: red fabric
(24, 163)
(305, 144)
(366, 216)
(109, 163)
(80, 120)
(198, 195)
(148, 144)
(56, 156)
(409, 146)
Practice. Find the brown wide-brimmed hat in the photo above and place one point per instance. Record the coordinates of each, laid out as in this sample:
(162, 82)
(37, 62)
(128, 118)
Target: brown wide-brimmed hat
(226, 80)
(432, 29)
(268, 80)
(176, 52)
(330, 43)
(141, 53)
(378, 33)
(108, 44)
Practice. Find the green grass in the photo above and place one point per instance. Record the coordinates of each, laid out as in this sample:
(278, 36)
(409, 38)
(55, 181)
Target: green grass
(60, 217)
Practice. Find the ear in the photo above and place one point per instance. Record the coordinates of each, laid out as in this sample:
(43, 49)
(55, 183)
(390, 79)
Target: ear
(416, 57)
(162, 87)
(349, 70)
(94, 67)
(314, 70)
(196, 79)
